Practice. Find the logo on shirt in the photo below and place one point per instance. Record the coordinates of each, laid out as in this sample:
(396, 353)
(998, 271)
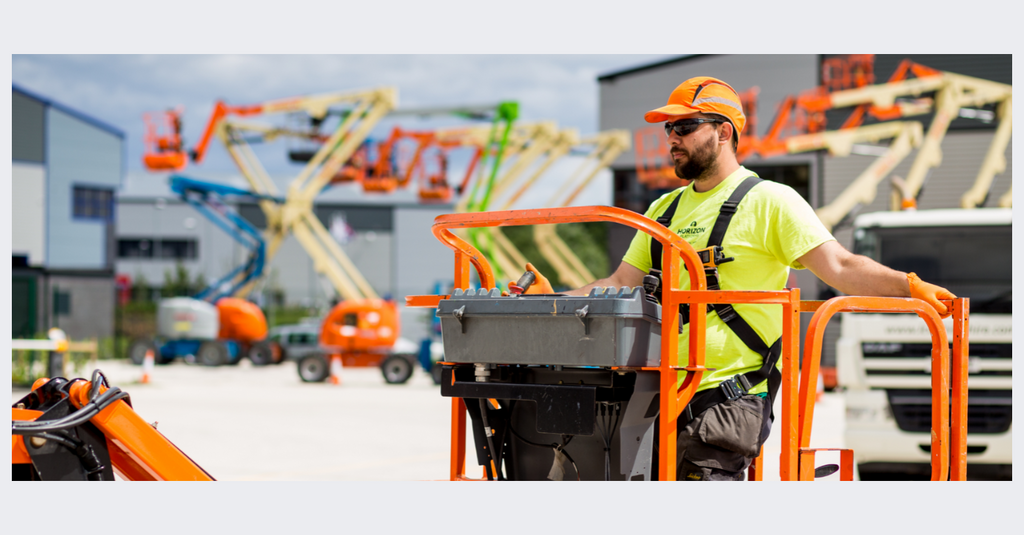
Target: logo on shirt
(692, 230)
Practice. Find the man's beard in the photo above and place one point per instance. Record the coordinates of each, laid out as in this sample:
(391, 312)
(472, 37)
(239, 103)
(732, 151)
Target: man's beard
(701, 163)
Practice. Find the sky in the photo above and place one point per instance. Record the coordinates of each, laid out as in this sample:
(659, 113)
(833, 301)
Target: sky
(117, 89)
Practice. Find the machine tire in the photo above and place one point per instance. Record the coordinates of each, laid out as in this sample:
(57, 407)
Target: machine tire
(397, 369)
(282, 355)
(435, 372)
(212, 353)
(261, 353)
(313, 368)
(137, 350)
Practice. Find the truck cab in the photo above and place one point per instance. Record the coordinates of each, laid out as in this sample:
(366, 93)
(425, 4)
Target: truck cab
(883, 360)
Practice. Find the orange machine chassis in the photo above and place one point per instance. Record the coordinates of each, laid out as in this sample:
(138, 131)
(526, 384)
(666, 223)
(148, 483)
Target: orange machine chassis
(138, 452)
(798, 385)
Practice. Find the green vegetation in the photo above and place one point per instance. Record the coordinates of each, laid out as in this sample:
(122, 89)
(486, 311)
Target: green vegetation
(587, 240)
(179, 284)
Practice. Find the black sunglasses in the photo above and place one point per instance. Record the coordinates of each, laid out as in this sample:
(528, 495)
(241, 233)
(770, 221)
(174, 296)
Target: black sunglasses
(685, 127)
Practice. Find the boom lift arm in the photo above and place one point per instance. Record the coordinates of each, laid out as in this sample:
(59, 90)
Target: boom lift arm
(295, 214)
(208, 199)
(607, 146)
(906, 136)
(527, 144)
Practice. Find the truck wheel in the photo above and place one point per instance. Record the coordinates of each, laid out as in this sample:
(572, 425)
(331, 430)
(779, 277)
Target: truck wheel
(397, 369)
(212, 353)
(261, 354)
(313, 369)
(137, 350)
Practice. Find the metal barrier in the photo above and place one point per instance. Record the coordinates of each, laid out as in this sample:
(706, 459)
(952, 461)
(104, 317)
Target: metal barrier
(58, 347)
(798, 389)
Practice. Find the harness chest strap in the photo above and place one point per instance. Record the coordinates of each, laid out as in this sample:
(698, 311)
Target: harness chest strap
(738, 385)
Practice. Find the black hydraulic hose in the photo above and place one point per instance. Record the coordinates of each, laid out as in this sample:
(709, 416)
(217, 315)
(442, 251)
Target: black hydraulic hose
(608, 425)
(85, 453)
(55, 430)
(490, 442)
(554, 445)
(572, 462)
(74, 419)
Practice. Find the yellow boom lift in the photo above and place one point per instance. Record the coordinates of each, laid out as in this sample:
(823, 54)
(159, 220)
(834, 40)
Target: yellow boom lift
(955, 95)
(605, 147)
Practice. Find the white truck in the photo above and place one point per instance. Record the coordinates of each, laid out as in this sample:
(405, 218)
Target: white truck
(883, 360)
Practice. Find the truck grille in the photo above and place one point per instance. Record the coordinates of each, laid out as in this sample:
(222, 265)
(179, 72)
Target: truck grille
(897, 349)
(988, 411)
(903, 370)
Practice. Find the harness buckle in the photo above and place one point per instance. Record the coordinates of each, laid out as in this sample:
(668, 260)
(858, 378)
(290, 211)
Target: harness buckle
(726, 313)
(734, 389)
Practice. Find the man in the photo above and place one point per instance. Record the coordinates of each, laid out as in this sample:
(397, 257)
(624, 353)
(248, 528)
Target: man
(772, 230)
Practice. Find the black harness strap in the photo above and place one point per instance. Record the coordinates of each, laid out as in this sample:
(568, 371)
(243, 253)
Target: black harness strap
(735, 386)
(656, 251)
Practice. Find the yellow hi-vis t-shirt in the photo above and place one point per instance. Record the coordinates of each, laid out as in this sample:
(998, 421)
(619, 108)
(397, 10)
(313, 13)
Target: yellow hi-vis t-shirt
(773, 226)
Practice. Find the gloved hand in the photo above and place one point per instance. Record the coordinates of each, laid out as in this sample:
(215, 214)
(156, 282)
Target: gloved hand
(541, 285)
(930, 293)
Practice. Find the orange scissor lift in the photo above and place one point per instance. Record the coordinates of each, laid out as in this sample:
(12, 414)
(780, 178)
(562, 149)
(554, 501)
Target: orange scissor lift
(798, 389)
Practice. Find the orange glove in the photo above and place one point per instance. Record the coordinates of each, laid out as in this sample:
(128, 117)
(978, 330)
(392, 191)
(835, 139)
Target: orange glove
(930, 293)
(541, 285)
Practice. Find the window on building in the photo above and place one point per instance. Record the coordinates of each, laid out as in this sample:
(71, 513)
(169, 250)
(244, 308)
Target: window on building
(134, 248)
(61, 302)
(162, 249)
(92, 203)
(176, 249)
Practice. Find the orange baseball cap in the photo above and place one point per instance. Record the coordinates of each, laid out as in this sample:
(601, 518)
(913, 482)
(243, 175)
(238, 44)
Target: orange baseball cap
(702, 94)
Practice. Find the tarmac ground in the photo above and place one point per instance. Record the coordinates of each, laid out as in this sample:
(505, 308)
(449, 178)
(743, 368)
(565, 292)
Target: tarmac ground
(246, 423)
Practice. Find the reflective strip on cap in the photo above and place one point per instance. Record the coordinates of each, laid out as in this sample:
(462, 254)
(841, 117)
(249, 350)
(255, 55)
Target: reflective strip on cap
(718, 100)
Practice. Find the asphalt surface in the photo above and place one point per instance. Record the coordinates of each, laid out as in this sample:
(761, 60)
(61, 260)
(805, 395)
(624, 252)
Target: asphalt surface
(243, 423)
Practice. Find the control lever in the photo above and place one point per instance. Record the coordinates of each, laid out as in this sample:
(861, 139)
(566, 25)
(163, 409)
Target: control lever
(651, 283)
(522, 284)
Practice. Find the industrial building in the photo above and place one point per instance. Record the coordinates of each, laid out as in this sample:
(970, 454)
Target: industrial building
(66, 169)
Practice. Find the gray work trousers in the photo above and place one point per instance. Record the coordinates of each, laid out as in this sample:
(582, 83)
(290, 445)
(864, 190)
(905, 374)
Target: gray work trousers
(720, 443)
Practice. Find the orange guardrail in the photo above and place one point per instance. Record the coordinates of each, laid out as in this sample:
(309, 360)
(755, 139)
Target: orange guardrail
(797, 388)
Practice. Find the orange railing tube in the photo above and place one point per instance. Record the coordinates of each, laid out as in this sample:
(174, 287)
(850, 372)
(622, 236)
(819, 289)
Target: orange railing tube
(940, 445)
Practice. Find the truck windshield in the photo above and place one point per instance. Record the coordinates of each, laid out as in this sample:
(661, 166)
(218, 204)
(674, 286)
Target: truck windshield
(970, 261)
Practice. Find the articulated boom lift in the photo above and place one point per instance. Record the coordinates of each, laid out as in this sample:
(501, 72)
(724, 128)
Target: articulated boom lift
(209, 199)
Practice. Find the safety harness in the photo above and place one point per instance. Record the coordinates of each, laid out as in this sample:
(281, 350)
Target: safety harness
(737, 385)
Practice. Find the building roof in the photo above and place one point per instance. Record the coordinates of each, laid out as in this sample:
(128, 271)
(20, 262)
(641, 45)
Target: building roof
(612, 75)
(70, 111)
(143, 186)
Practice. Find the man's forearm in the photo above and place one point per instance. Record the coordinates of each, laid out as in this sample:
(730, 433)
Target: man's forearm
(860, 275)
(584, 290)
(854, 274)
(624, 275)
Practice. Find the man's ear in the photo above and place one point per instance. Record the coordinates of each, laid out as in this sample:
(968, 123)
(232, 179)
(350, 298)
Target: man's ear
(725, 133)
